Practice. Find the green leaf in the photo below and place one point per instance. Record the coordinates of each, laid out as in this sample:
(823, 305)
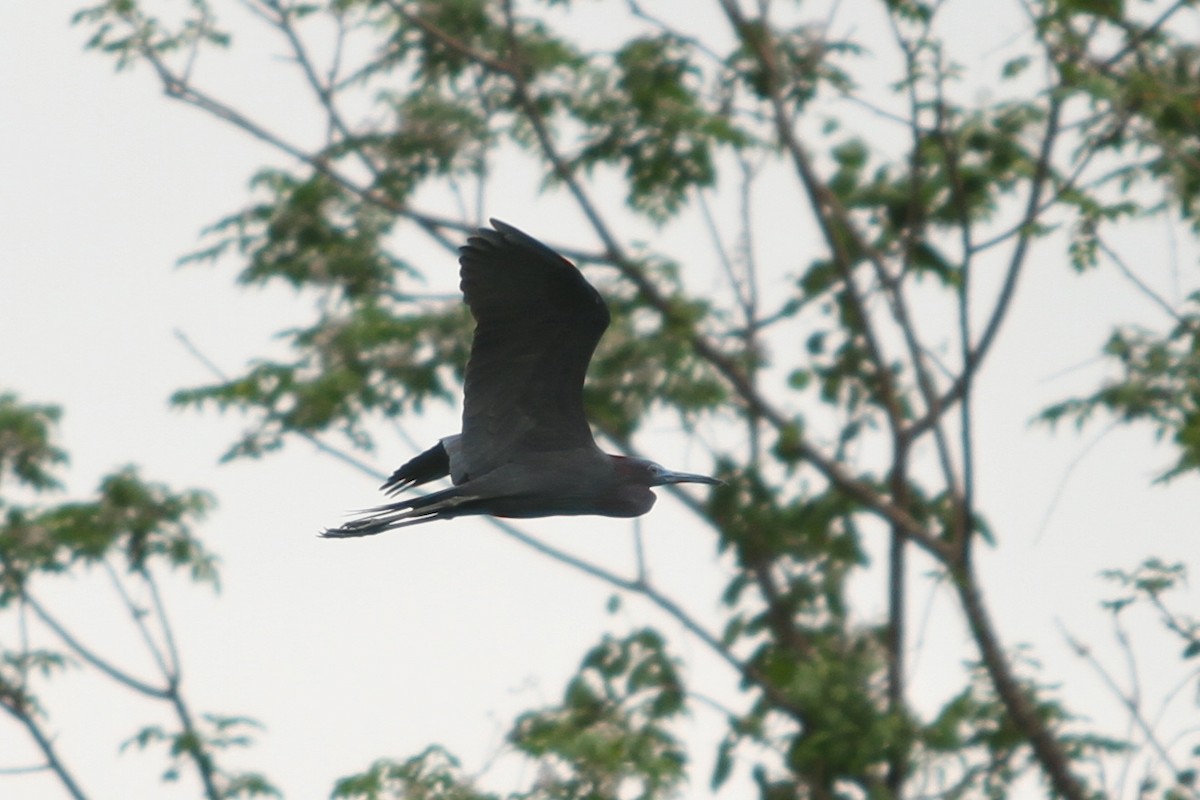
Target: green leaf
(28, 451)
(1014, 67)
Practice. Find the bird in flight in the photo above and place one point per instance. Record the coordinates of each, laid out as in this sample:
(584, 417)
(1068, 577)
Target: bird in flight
(526, 449)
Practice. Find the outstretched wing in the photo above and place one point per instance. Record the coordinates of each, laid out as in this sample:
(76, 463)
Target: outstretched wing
(537, 322)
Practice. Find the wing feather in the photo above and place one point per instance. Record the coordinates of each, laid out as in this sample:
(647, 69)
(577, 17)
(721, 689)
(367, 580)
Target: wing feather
(538, 321)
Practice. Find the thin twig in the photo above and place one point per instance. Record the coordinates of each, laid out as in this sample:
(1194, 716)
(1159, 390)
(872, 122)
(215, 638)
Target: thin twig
(1131, 703)
(754, 324)
(718, 244)
(196, 747)
(25, 770)
(1141, 285)
(164, 624)
(138, 615)
(221, 375)
(873, 500)
(638, 585)
(1061, 488)
(53, 762)
(1003, 303)
(1145, 33)
(178, 87)
(748, 671)
(85, 653)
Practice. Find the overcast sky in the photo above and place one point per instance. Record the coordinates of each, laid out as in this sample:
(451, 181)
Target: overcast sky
(350, 651)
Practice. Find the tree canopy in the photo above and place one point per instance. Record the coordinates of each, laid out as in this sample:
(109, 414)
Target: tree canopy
(869, 198)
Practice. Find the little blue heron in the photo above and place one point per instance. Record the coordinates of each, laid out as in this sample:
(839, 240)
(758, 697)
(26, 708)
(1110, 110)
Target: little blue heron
(525, 449)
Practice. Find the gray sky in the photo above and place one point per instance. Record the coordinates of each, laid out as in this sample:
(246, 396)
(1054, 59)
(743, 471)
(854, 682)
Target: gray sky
(350, 651)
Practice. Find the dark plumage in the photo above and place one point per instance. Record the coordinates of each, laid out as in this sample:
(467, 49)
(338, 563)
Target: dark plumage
(526, 449)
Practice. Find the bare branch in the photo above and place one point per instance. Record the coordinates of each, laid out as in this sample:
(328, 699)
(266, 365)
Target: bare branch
(1141, 285)
(53, 762)
(1131, 701)
(1016, 261)
(138, 615)
(86, 653)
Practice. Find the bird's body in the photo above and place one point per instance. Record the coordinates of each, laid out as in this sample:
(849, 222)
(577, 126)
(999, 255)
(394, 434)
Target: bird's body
(526, 449)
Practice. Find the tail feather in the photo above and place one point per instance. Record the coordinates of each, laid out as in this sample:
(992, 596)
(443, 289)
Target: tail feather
(438, 505)
(434, 463)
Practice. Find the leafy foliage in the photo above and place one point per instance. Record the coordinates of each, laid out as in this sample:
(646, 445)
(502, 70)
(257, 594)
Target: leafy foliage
(26, 450)
(645, 114)
(610, 737)
(1151, 583)
(927, 211)
(201, 745)
(432, 775)
(1159, 384)
(142, 523)
(132, 529)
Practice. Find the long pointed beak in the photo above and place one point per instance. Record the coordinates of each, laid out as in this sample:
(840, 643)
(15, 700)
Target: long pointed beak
(667, 476)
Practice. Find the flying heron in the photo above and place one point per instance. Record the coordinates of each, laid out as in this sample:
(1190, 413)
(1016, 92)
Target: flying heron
(525, 449)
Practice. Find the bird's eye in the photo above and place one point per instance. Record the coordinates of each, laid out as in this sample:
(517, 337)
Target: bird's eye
(655, 469)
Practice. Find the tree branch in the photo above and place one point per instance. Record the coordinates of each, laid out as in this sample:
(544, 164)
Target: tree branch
(84, 652)
(1130, 702)
(1016, 262)
(53, 762)
(1017, 702)
(860, 491)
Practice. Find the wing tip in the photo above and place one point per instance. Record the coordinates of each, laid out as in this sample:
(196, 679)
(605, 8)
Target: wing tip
(503, 227)
(502, 232)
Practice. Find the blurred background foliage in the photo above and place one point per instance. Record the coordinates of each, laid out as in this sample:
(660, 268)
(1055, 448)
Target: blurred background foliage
(1095, 124)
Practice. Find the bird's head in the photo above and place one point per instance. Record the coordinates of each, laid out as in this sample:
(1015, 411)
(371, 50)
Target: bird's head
(649, 473)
